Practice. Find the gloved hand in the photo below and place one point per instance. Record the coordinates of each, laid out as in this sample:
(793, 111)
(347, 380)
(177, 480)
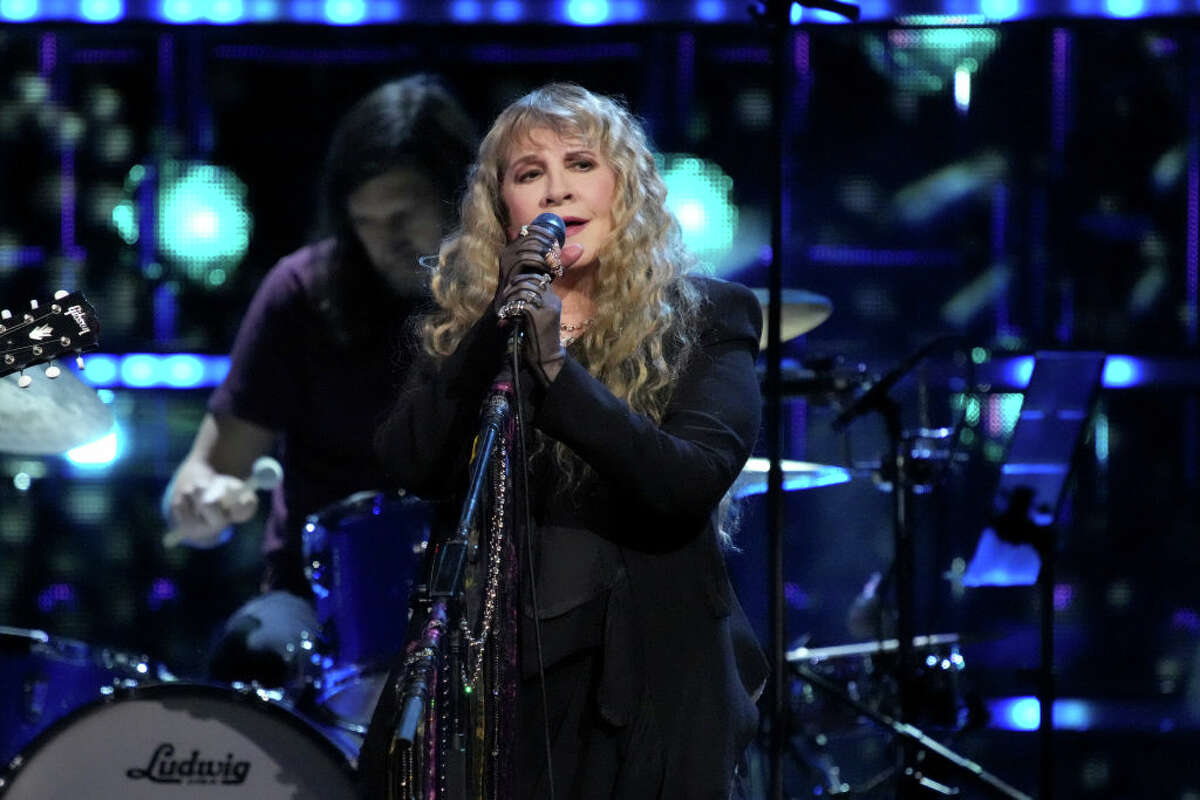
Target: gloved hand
(540, 316)
(527, 265)
(524, 254)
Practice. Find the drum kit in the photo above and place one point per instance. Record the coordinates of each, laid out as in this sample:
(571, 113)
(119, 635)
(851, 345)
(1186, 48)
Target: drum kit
(65, 701)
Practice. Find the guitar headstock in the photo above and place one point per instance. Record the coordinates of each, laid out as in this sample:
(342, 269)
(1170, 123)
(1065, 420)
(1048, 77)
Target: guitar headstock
(66, 325)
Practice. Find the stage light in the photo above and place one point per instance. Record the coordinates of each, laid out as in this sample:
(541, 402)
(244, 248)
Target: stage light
(698, 194)
(102, 10)
(1121, 372)
(18, 10)
(466, 10)
(710, 10)
(180, 11)
(1124, 9)
(225, 11)
(962, 86)
(1000, 10)
(587, 12)
(203, 223)
(345, 12)
(506, 10)
(153, 371)
(924, 60)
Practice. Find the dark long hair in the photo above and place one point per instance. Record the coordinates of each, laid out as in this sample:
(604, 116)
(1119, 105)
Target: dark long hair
(412, 122)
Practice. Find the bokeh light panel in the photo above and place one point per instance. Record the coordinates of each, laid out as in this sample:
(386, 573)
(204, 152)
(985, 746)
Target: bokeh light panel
(203, 223)
(571, 12)
(699, 195)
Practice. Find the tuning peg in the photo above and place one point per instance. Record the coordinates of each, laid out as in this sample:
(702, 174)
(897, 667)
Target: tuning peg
(79, 362)
(33, 304)
(60, 294)
(24, 381)
(53, 371)
(5, 314)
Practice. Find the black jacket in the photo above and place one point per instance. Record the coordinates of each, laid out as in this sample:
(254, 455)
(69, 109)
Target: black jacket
(639, 535)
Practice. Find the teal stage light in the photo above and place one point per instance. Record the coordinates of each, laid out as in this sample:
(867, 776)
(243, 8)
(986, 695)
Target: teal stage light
(203, 223)
(699, 195)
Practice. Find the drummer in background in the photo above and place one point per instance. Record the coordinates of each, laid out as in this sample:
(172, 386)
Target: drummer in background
(319, 353)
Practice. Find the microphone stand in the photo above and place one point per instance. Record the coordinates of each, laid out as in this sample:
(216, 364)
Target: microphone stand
(449, 562)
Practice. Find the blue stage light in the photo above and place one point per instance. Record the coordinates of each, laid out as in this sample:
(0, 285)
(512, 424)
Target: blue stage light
(1000, 10)
(1124, 9)
(345, 12)
(180, 11)
(225, 11)
(101, 370)
(18, 10)
(710, 10)
(1019, 370)
(699, 195)
(101, 10)
(1121, 372)
(587, 12)
(507, 10)
(139, 370)
(182, 371)
(154, 371)
(466, 10)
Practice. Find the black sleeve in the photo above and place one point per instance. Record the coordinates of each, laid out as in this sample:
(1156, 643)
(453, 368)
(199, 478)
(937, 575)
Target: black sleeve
(425, 441)
(677, 470)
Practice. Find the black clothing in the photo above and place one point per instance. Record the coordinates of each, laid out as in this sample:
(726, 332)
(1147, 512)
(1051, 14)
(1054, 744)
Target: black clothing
(644, 642)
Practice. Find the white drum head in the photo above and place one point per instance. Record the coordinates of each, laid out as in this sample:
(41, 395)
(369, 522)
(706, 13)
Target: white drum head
(181, 741)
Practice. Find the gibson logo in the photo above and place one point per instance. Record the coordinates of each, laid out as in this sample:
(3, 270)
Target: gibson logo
(163, 768)
(76, 313)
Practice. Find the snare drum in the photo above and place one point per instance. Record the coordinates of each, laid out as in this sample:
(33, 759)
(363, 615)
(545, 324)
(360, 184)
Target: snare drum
(362, 556)
(43, 678)
(181, 740)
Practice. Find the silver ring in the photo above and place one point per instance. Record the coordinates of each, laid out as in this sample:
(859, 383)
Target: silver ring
(524, 230)
(512, 308)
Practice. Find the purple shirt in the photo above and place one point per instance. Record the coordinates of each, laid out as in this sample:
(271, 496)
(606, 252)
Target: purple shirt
(289, 374)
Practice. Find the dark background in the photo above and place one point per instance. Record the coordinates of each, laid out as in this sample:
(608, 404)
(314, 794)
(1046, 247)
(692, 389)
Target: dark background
(1053, 212)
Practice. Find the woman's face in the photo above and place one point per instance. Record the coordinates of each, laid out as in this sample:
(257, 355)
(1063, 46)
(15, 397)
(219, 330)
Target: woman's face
(565, 177)
(395, 216)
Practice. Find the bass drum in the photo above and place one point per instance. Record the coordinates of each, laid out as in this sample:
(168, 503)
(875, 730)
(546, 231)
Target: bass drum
(181, 740)
(43, 678)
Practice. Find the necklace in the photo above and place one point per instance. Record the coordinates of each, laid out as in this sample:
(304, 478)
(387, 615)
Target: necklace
(567, 331)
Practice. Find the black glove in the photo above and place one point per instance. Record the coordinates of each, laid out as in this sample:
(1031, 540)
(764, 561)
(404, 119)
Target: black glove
(527, 265)
(525, 254)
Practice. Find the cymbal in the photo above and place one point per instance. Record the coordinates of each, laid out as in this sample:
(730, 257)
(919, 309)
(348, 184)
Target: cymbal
(796, 475)
(857, 649)
(801, 312)
(50, 415)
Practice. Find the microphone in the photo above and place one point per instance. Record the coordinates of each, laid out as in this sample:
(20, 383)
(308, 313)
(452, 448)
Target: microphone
(553, 224)
(265, 475)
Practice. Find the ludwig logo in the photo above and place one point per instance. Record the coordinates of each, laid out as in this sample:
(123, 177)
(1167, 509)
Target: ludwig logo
(165, 768)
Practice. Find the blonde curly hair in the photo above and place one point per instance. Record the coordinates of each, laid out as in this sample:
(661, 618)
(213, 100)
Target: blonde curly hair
(645, 309)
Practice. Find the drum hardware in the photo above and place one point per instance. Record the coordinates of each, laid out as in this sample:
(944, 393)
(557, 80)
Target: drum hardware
(52, 676)
(363, 557)
(914, 464)
(800, 312)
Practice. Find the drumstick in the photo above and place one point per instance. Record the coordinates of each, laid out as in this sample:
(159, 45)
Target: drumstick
(265, 475)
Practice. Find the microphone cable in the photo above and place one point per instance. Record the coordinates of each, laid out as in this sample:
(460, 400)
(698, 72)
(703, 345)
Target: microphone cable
(520, 441)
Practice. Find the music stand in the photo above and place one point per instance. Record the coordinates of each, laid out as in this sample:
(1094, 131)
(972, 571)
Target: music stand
(1017, 549)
